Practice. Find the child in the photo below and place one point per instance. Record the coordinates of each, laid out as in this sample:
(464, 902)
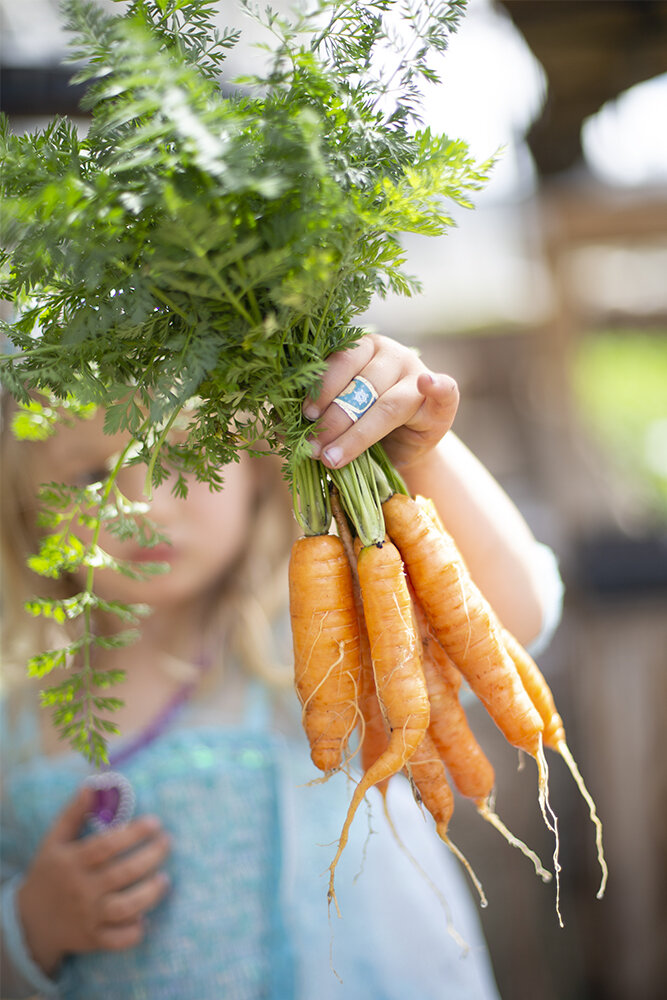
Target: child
(216, 884)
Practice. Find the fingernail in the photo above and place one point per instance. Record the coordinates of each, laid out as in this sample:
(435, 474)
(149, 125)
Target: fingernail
(310, 411)
(315, 447)
(333, 456)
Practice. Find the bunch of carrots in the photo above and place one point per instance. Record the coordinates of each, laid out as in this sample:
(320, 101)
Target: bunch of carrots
(383, 634)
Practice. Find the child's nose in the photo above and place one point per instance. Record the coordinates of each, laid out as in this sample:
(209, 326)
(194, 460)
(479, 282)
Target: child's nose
(162, 500)
(164, 504)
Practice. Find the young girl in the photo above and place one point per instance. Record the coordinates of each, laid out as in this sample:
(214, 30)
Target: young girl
(215, 885)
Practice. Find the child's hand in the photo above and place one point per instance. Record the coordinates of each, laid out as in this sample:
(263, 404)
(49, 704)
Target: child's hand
(414, 409)
(91, 894)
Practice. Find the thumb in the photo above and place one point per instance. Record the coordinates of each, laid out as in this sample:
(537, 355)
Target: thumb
(440, 391)
(440, 403)
(68, 823)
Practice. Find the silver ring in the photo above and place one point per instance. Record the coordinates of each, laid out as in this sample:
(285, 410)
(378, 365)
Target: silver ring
(357, 398)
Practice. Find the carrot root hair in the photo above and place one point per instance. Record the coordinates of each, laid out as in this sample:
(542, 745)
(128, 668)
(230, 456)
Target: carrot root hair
(444, 836)
(486, 811)
(549, 817)
(451, 929)
(565, 753)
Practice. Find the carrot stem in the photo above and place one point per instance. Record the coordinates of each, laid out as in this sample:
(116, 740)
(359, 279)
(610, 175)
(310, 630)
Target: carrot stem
(387, 479)
(310, 497)
(359, 495)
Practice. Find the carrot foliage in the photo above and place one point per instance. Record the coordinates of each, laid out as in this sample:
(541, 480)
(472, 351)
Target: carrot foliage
(198, 254)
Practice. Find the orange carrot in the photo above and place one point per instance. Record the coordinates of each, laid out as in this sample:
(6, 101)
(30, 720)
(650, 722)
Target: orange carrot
(326, 645)
(374, 738)
(433, 649)
(538, 691)
(399, 678)
(463, 620)
(554, 733)
(467, 628)
(427, 772)
(468, 765)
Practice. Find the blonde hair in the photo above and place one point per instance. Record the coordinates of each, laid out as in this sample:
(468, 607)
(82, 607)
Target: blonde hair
(249, 597)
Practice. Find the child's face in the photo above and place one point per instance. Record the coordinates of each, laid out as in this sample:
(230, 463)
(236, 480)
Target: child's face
(207, 531)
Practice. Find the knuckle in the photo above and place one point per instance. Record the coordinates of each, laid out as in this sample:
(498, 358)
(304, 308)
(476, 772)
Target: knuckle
(114, 878)
(95, 850)
(392, 407)
(125, 872)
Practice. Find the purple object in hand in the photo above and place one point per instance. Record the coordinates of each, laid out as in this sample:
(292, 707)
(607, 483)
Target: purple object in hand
(113, 801)
(106, 804)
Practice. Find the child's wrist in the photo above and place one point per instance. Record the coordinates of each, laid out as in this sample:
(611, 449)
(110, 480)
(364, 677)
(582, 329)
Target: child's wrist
(419, 472)
(44, 952)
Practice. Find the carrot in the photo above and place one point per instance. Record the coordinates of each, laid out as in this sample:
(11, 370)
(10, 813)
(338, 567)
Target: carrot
(374, 738)
(427, 772)
(468, 629)
(469, 767)
(399, 678)
(462, 620)
(554, 733)
(433, 649)
(326, 645)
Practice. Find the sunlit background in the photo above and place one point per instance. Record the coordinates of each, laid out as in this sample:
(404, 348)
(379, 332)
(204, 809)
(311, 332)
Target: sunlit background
(548, 303)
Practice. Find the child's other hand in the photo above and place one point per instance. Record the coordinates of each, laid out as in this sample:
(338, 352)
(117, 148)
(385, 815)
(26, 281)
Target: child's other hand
(91, 894)
(414, 409)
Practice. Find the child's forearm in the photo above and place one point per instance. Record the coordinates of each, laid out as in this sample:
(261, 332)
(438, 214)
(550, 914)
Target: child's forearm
(24, 975)
(500, 550)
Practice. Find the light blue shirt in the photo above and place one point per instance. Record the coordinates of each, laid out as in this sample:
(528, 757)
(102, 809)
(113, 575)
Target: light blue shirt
(246, 916)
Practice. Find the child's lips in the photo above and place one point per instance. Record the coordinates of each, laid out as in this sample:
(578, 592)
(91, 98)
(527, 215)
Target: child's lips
(163, 552)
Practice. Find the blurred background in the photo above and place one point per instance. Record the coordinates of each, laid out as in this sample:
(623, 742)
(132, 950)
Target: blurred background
(548, 304)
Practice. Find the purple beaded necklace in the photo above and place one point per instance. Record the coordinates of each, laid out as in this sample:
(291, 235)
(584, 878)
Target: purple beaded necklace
(114, 799)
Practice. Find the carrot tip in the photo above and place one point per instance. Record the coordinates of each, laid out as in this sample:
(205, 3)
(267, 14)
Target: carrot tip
(483, 901)
(551, 823)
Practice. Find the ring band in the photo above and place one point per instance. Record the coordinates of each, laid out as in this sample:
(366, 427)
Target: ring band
(357, 398)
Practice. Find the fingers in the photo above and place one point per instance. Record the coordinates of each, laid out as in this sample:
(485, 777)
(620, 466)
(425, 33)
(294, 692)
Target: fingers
(69, 822)
(115, 938)
(341, 369)
(98, 849)
(393, 408)
(129, 905)
(126, 881)
(429, 424)
(130, 868)
(413, 411)
(440, 402)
